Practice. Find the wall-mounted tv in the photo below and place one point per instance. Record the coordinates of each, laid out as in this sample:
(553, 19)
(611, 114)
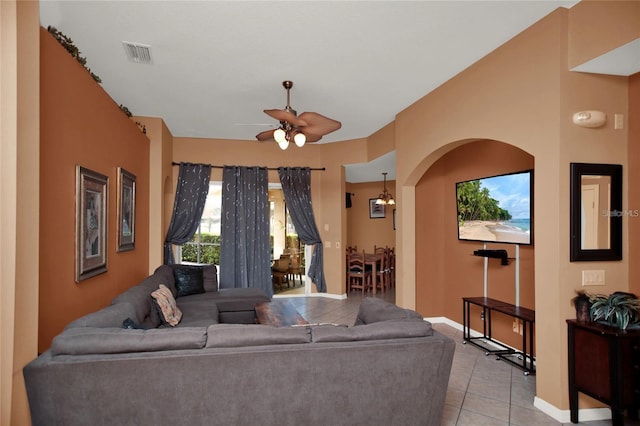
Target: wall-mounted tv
(496, 209)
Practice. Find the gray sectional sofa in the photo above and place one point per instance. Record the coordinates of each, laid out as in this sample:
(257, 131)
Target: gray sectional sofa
(218, 368)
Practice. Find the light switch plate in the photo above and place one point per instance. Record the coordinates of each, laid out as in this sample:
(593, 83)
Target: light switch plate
(592, 277)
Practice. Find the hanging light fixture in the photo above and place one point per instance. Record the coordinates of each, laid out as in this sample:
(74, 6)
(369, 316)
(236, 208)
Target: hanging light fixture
(285, 133)
(308, 127)
(385, 197)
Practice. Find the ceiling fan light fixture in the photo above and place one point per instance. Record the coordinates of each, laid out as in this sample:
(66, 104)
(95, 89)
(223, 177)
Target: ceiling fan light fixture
(292, 128)
(280, 136)
(284, 144)
(300, 139)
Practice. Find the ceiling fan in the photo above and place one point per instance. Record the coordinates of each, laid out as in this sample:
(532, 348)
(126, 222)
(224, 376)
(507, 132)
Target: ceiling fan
(308, 127)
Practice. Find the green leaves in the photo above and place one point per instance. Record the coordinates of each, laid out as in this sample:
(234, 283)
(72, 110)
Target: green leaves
(475, 203)
(618, 309)
(67, 43)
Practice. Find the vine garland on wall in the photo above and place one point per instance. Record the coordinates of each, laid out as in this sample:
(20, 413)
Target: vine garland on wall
(67, 43)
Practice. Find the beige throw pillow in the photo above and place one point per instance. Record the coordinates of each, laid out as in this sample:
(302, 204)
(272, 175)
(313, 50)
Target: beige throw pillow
(164, 300)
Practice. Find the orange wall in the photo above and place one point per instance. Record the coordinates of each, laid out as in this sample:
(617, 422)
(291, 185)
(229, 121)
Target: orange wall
(363, 231)
(522, 94)
(633, 121)
(446, 270)
(82, 125)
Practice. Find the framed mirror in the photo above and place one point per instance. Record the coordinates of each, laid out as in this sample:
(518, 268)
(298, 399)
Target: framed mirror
(596, 212)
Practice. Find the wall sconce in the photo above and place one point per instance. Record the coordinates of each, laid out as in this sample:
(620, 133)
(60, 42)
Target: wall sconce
(589, 118)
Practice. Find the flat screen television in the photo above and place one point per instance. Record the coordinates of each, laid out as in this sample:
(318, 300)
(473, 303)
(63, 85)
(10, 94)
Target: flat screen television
(497, 209)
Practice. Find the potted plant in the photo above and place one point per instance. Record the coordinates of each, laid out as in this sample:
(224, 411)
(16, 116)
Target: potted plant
(618, 309)
(582, 303)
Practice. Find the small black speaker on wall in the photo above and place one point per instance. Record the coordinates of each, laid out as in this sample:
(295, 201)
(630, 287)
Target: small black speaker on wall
(348, 199)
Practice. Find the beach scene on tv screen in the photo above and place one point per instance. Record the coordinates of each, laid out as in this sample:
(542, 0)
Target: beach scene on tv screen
(495, 209)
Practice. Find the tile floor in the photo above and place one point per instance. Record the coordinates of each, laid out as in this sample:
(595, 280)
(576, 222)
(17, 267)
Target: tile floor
(482, 390)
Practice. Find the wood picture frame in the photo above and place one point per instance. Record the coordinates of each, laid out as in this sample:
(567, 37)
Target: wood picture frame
(376, 211)
(126, 205)
(92, 189)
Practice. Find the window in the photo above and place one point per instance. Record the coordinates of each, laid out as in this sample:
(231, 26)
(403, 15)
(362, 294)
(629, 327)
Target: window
(204, 247)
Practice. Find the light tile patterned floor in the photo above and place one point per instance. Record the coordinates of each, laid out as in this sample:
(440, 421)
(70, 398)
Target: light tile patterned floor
(482, 390)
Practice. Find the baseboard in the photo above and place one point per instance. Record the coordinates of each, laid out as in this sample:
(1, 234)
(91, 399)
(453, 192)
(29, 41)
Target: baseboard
(564, 416)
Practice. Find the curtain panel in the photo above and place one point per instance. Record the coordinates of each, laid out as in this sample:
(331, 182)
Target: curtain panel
(191, 194)
(245, 259)
(296, 186)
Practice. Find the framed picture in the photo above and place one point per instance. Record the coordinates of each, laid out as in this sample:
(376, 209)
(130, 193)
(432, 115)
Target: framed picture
(91, 223)
(126, 210)
(376, 211)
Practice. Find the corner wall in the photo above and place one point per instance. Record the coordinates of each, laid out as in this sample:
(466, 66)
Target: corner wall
(524, 95)
(633, 222)
(82, 125)
(19, 185)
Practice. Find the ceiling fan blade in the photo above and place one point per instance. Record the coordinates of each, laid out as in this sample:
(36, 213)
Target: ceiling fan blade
(267, 135)
(283, 115)
(312, 138)
(318, 124)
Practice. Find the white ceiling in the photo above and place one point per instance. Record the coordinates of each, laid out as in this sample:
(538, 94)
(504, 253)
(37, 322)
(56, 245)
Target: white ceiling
(217, 64)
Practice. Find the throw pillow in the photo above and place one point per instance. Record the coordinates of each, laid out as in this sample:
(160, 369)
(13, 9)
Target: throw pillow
(166, 304)
(189, 280)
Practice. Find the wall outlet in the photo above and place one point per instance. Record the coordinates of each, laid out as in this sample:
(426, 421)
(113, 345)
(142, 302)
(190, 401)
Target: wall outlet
(517, 326)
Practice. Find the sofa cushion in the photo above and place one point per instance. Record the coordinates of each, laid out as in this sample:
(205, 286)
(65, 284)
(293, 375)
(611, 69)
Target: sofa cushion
(166, 304)
(138, 296)
(392, 329)
(373, 310)
(89, 340)
(210, 277)
(111, 316)
(239, 299)
(198, 310)
(188, 280)
(235, 335)
(164, 275)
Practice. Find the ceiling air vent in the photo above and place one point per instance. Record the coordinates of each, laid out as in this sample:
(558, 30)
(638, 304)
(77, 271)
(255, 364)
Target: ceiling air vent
(138, 53)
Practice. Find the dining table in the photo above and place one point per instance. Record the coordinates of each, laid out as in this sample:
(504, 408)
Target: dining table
(375, 261)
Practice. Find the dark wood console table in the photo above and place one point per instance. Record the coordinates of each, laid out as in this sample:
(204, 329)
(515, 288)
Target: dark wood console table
(522, 359)
(604, 363)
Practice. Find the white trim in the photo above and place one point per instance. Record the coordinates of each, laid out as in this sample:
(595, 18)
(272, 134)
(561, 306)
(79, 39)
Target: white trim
(564, 416)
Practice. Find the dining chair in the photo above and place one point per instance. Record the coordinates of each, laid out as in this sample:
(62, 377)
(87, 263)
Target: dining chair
(280, 272)
(358, 277)
(295, 269)
(382, 270)
(392, 267)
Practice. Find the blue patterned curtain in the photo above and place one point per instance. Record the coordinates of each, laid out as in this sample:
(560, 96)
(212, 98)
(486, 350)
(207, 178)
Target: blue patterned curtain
(245, 259)
(296, 186)
(191, 195)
